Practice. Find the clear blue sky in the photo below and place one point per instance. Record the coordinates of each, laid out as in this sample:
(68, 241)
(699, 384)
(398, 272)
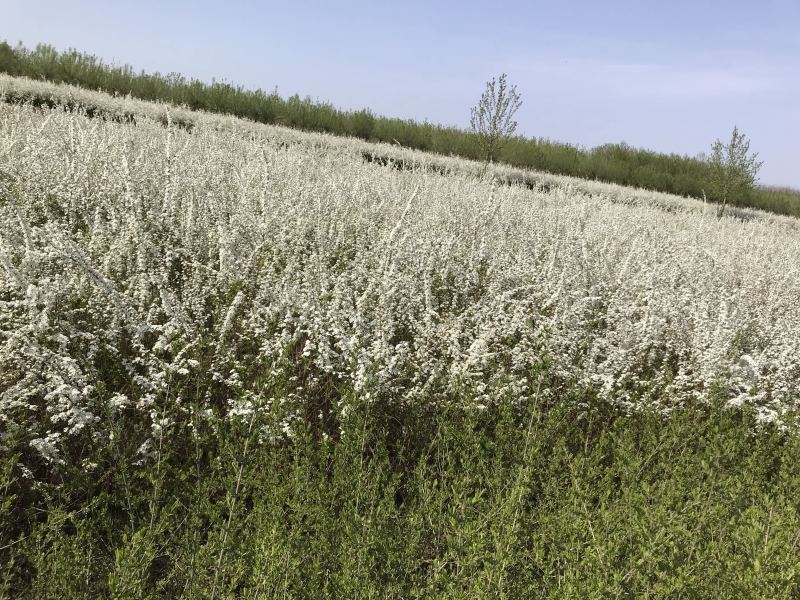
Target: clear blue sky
(667, 75)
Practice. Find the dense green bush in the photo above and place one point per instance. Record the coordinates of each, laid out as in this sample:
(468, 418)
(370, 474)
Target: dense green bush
(617, 163)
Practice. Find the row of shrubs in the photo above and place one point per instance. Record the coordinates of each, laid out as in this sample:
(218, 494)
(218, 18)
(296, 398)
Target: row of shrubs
(616, 163)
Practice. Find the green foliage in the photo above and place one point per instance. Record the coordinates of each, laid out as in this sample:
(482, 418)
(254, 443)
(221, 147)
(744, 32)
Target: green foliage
(617, 163)
(780, 200)
(558, 499)
(363, 124)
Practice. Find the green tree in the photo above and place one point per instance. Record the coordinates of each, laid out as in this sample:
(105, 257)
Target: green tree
(493, 117)
(733, 170)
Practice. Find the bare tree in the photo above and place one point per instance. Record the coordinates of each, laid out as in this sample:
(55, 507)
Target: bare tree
(493, 118)
(733, 170)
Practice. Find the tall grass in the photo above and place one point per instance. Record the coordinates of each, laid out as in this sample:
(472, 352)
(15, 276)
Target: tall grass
(617, 163)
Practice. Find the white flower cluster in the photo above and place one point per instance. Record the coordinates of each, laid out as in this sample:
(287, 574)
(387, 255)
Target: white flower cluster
(137, 260)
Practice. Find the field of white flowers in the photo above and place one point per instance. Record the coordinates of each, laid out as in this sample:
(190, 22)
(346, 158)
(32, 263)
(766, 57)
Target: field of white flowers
(137, 258)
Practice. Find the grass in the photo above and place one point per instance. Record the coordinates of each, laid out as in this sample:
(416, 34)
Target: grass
(616, 163)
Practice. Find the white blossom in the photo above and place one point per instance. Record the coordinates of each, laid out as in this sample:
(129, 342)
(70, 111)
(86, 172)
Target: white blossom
(217, 259)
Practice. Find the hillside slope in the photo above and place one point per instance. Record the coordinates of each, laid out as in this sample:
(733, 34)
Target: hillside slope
(222, 339)
(618, 163)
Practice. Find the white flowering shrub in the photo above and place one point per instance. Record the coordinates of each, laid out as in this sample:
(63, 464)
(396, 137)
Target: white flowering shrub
(156, 275)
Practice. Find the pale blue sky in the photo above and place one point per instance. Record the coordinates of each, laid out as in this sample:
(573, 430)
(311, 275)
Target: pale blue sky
(666, 75)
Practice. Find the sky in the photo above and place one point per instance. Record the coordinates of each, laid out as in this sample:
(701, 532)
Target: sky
(669, 76)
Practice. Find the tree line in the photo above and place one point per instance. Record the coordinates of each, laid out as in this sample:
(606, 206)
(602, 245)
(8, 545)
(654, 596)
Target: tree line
(615, 163)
